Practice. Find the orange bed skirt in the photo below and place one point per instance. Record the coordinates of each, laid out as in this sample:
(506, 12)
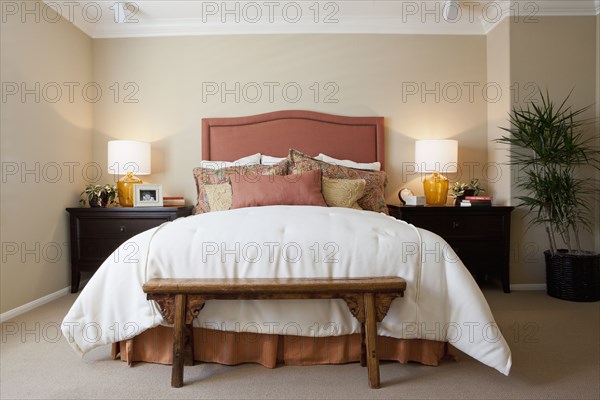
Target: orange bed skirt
(230, 348)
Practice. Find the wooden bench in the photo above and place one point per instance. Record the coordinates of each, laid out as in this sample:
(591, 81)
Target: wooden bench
(181, 300)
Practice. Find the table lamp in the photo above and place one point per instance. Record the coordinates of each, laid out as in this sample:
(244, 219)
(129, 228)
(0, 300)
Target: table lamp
(128, 157)
(436, 156)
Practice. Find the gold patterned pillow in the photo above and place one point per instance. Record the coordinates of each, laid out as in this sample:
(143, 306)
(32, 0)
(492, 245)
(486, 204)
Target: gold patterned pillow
(375, 181)
(219, 196)
(343, 192)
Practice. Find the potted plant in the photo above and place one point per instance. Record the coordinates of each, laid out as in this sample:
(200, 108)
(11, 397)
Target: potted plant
(99, 195)
(549, 149)
(460, 190)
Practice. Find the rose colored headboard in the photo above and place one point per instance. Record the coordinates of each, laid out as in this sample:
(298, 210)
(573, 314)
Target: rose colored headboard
(353, 138)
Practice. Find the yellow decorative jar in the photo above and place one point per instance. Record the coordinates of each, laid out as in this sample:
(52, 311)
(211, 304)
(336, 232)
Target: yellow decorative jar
(125, 187)
(436, 189)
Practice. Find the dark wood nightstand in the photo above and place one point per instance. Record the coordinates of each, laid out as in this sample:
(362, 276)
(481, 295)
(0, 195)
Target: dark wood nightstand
(97, 232)
(480, 236)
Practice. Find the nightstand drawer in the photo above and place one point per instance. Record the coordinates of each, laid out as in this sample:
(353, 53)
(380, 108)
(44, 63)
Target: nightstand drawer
(97, 249)
(116, 228)
(478, 254)
(462, 227)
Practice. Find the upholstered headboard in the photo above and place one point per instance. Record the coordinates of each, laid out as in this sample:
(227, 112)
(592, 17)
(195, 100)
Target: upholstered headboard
(354, 138)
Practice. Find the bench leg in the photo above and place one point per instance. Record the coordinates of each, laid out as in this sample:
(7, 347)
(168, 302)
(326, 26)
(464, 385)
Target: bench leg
(363, 347)
(129, 352)
(371, 339)
(178, 342)
(188, 345)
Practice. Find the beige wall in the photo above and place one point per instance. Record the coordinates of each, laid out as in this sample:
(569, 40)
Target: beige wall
(371, 73)
(557, 53)
(40, 134)
(498, 74)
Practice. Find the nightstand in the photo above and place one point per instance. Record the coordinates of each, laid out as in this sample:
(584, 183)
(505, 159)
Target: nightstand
(480, 236)
(97, 232)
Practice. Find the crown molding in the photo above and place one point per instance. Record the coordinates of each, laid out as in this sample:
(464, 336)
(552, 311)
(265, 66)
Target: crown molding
(527, 11)
(150, 18)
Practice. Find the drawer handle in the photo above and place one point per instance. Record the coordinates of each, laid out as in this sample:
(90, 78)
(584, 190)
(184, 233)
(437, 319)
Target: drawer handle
(455, 224)
(122, 229)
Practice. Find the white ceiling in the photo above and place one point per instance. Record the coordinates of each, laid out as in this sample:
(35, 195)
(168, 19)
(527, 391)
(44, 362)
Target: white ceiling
(118, 19)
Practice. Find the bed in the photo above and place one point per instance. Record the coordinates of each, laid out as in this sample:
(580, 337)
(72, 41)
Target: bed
(443, 304)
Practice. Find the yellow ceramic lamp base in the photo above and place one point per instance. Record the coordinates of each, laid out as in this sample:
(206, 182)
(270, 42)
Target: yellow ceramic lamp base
(436, 189)
(125, 189)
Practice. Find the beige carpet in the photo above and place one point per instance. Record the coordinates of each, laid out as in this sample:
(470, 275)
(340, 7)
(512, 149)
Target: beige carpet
(555, 346)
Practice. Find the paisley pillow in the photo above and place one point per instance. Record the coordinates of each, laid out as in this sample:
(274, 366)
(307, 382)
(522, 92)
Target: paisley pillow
(375, 181)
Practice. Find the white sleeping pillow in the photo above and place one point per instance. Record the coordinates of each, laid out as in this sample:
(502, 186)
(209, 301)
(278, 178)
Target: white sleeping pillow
(248, 160)
(268, 160)
(375, 166)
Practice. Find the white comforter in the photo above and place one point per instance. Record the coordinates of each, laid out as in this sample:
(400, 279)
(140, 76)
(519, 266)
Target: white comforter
(441, 302)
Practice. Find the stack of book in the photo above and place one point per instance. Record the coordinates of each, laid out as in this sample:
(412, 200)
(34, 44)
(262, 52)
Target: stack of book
(476, 201)
(173, 201)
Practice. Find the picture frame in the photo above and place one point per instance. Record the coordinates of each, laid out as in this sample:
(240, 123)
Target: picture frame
(147, 195)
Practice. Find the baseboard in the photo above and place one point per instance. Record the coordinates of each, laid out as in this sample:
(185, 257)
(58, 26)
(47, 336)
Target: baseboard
(10, 314)
(527, 286)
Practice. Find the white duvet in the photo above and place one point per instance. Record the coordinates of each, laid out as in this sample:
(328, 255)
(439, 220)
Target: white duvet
(442, 301)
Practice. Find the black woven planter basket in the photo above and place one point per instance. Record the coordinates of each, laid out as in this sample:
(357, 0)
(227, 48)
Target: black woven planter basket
(573, 277)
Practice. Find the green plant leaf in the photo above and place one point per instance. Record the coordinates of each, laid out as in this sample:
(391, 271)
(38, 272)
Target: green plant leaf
(547, 144)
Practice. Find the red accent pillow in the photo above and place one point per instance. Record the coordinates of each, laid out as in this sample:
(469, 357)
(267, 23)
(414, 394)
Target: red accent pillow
(269, 190)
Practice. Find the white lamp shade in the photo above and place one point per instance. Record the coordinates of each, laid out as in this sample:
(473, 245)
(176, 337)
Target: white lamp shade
(128, 156)
(436, 155)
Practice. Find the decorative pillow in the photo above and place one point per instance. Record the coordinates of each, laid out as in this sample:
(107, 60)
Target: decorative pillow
(298, 190)
(375, 181)
(209, 176)
(268, 160)
(375, 166)
(248, 160)
(343, 192)
(218, 196)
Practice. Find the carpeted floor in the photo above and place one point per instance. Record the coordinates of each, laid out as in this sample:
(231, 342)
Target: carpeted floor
(555, 346)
